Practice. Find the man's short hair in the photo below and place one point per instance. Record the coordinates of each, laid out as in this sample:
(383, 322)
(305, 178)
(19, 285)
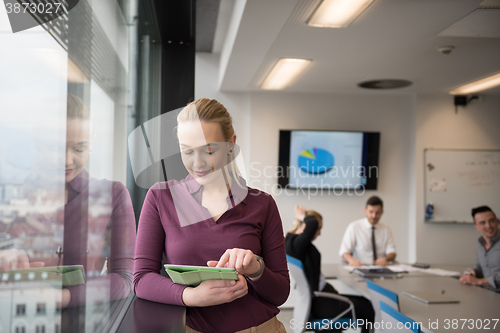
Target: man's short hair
(480, 209)
(375, 201)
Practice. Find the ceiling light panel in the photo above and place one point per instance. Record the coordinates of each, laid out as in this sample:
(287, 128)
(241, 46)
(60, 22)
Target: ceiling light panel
(479, 85)
(337, 13)
(284, 73)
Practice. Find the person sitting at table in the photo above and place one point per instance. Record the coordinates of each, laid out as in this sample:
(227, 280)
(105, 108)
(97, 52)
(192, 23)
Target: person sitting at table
(486, 273)
(298, 242)
(368, 241)
(212, 214)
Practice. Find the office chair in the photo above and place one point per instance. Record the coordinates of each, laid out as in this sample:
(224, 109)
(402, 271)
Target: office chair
(377, 294)
(303, 300)
(393, 317)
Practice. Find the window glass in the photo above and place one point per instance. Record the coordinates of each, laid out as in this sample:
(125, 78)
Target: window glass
(65, 211)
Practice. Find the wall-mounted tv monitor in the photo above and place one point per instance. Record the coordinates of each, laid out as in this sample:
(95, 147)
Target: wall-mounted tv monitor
(328, 160)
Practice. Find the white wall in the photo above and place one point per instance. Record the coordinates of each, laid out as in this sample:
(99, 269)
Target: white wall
(238, 104)
(258, 118)
(474, 127)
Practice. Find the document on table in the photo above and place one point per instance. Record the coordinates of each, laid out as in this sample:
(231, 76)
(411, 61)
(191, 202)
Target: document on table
(408, 268)
(398, 268)
(402, 268)
(441, 272)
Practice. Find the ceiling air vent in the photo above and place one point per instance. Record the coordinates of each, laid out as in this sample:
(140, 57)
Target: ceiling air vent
(384, 84)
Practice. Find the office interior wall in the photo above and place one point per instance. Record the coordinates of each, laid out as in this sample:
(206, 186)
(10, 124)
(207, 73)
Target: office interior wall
(412, 189)
(473, 127)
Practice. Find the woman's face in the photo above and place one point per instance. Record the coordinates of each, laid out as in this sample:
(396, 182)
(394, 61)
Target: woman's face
(77, 146)
(203, 149)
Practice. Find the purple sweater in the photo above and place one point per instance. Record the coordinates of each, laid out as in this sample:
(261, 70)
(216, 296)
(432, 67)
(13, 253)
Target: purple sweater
(99, 230)
(253, 224)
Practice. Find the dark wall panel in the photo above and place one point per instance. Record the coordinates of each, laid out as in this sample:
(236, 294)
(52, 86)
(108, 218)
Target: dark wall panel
(176, 20)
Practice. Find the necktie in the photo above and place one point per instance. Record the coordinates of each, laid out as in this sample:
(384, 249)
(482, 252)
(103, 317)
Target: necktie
(374, 248)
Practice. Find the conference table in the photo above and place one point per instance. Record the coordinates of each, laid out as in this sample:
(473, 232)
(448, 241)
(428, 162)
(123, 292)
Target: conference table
(478, 307)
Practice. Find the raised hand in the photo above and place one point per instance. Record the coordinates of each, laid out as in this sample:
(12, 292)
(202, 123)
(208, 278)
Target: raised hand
(300, 212)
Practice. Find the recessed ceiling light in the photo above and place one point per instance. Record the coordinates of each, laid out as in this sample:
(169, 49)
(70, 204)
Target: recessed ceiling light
(384, 84)
(479, 85)
(337, 13)
(284, 72)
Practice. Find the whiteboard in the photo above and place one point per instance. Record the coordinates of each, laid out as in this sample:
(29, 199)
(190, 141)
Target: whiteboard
(458, 180)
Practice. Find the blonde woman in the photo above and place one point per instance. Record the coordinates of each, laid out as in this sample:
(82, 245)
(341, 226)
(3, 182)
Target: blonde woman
(212, 218)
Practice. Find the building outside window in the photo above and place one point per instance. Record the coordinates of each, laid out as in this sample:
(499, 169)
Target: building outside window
(58, 307)
(20, 310)
(41, 309)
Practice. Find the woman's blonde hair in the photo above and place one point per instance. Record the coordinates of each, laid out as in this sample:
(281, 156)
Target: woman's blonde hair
(76, 108)
(298, 223)
(210, 110)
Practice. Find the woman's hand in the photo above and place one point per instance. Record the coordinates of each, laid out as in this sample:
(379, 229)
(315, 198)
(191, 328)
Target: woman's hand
(300, 212)
(215, 292)
(16, 259)
(243, 261)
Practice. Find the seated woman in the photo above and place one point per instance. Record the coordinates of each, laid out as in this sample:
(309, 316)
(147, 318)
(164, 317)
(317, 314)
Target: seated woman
(212, 218)
(299, 245)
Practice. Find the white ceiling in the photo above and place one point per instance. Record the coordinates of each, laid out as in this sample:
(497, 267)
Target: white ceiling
(392, 39)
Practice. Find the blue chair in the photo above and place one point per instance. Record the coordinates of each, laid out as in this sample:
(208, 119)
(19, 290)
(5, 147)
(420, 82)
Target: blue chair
(377, 294)
(398, 321)
(303, 300)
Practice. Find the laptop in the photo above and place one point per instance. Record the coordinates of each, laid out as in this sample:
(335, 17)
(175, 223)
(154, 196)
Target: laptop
(430, 297)
(377, 272)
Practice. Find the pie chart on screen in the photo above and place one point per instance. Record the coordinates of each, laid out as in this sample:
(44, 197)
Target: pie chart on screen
(316, 161)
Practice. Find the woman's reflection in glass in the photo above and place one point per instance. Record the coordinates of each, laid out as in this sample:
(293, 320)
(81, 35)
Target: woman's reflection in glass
(99, 223)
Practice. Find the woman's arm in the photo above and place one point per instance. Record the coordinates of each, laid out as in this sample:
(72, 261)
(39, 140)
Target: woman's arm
(122, 233)
(273, 285)
(117, 283)
(150, 245)
(302, 241)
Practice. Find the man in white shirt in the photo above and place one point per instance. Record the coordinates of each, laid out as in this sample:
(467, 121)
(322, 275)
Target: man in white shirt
(363, 236)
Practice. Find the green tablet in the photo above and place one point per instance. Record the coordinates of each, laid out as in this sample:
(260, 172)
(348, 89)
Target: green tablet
(194, 275)
(69, 275)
